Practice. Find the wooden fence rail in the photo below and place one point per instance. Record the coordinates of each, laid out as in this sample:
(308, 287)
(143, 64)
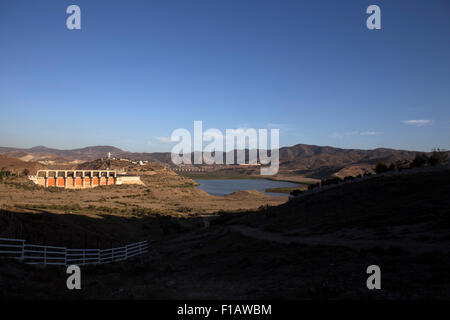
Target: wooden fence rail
(48, 255)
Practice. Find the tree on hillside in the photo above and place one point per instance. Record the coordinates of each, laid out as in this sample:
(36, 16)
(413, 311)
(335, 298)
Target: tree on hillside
(392, 167)
(4, 174)
(26, 172)
(419, 161)
(438, 156)
(312, 186)
(330, 181)
(349, 178)
(296, 192)
(381, 167)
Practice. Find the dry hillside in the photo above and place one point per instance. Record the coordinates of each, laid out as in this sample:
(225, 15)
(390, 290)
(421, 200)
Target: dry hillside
(310, 160)
(315, 247)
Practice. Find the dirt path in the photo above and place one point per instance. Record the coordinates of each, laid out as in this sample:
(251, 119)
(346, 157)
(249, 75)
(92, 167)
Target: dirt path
(337, 240)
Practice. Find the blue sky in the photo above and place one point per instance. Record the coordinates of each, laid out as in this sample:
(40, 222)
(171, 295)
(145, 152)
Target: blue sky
(137, 70)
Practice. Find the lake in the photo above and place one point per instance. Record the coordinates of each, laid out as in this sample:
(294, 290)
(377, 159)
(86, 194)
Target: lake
(221, 187)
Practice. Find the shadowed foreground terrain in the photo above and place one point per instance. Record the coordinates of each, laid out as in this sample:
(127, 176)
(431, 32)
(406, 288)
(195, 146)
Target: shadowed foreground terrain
(314, 247)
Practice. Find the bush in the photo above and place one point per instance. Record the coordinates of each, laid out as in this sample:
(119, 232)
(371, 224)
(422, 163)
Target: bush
(312, 186)
(330, 181)
(296, 192)
(402, 165)
(185, 209)
(381, 167)
(438, 157)
(25, 172)
(419, 161)
(4, 174)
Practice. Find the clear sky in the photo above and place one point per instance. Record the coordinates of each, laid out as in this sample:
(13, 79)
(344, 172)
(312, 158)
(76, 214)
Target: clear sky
(137, 70)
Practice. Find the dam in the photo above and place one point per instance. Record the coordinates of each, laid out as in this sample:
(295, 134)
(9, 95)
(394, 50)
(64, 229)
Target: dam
(80, 179)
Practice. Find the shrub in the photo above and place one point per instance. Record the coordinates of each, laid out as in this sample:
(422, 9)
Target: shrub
(402, 164)
(296, 192)
(349, 178)
(326, 182)
(392, 167)
(381, 167)
(419, 161)
(4, 174)
(438, 157)
(312, 186)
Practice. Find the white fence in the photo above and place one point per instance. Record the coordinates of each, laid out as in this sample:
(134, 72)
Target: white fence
(47, 255)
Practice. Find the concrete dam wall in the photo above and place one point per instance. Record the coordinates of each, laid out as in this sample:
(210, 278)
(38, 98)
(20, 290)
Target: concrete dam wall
(80, 179)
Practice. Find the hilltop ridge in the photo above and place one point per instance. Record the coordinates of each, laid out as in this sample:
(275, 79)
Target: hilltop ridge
(302, 159)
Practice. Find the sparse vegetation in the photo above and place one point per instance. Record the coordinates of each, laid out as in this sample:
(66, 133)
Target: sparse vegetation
(286, 189)
(330, 181)
(381, 167)
(296, 192)
(419, 161)
(185, 209)
(314, 185)
(437, 157)
(4, 174)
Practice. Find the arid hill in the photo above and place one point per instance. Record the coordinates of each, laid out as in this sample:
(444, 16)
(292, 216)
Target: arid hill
(121, 165)
(17, 166)
(41, 153)
(310, 160)
(322, 161)
(315, 247)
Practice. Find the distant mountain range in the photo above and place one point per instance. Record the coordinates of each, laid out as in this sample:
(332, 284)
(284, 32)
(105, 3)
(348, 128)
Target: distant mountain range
(323, 161)
(300, 158)
(41, 153)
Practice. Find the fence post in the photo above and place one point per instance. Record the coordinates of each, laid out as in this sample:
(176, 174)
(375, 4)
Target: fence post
(23, 250)
(124, 253)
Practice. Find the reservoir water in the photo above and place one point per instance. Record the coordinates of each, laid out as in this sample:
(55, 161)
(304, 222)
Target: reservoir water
(221, 187)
